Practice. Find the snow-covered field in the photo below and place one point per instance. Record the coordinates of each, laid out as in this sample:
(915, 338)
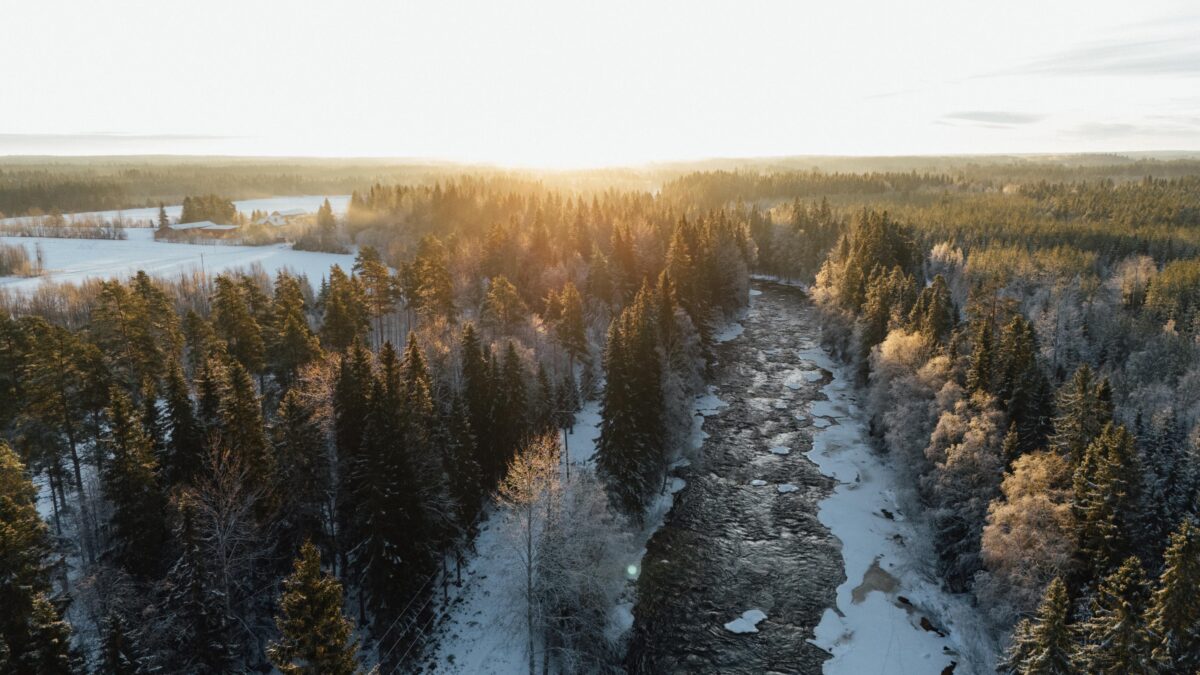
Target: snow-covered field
(74, 260)
(309, 203)
(890, 584)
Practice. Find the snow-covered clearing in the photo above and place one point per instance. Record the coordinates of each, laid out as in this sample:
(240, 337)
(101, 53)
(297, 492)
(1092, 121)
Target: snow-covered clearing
(891, 588)
(308, 203)
(75, 260)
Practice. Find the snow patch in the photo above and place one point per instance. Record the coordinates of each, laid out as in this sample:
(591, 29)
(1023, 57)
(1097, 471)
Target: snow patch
(781, 450)
(786, 488)
(729, 332)
(758, 482)
(747, 623)
(873, 631)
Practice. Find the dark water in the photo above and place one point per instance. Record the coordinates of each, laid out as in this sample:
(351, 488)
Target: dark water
(726, 546)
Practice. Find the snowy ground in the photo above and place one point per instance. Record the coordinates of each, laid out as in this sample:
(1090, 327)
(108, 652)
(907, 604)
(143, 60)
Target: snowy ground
(890, 588)
(483, 634)
(74, 260)
(309, 203)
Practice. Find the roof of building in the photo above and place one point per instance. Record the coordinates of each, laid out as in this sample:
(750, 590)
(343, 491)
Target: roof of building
(273, 219)
(202, 225)
(289, 213)
(192, 226)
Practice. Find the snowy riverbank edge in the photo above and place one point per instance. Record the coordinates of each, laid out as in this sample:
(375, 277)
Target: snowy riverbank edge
(891, 588)
(481, 633)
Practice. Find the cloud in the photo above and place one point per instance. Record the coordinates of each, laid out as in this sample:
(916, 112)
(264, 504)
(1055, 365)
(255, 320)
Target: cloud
(992, 118)
(1179, 56)
(1151, 127)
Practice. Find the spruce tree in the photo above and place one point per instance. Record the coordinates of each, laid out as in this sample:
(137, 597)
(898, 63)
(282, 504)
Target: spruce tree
(350, 411)
(242, 430)
(1021, 386)
(119, 656)
(570, 329)
(982, 368)
(184, 448)
(234, 322)
(1106, 497)
(139, 528)
(462, 467)
(292, 343)
(35, 638)
(1043, 645)
(1083, 410)
(477, 392)
(1173, 618)
(345, 311)
(1113, 638)
(315, 638)
(200, 636)
(934, 315)
(510, 422)
(433, 288)
(630, 452)
(302, 479)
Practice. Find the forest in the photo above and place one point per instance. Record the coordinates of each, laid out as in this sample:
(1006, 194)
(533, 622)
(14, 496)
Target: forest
(238, 472)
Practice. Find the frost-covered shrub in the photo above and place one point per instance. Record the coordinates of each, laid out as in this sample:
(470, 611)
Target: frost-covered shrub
(1029, 537)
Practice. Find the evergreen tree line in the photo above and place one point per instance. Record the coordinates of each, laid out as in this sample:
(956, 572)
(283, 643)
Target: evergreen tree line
(1053, 494)
(193, 442)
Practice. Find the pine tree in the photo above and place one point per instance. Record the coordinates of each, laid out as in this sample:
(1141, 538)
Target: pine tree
(315, 638)
(1113, 638)
(139, 529)
(164, 223)
(1173, 618)
(35, 638)
(1043, 646)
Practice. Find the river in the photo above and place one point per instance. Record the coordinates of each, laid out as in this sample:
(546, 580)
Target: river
(744, 535)
(790, 550)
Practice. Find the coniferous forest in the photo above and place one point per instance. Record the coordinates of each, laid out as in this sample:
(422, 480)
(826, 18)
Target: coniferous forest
(240, 472)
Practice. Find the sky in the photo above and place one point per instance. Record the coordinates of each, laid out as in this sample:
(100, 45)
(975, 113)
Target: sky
(563, 83)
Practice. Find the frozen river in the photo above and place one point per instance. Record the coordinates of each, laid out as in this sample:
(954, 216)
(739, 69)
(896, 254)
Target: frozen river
(788, 551)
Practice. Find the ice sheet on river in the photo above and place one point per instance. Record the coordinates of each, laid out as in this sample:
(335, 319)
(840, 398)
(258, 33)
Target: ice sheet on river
(877, 624)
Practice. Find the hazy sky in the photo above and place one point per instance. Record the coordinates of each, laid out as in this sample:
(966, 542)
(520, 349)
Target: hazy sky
(559, 82)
